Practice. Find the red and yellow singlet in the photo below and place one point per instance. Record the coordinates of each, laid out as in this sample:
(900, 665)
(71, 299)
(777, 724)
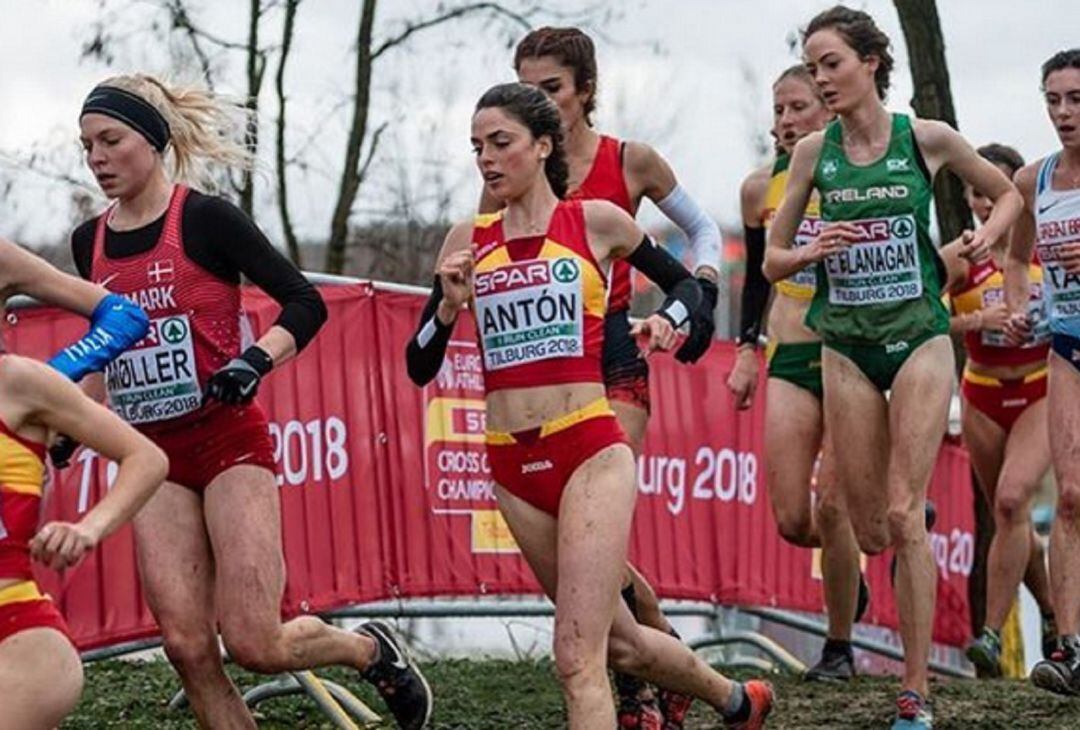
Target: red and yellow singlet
(539, 302)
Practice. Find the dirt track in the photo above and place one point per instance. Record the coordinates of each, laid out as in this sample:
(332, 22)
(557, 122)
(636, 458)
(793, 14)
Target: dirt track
(497, 695)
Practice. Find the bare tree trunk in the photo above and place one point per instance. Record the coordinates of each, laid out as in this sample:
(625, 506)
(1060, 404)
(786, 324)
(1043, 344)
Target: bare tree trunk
(291, 244)
(352, 171)
(256, 65)
(933, 100)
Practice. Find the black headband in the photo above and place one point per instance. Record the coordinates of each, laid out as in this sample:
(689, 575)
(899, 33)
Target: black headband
(132, 110)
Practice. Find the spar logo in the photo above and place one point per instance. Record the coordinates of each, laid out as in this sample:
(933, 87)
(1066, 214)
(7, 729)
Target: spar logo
(876, 230)
(565, 270)
(174, 330)
(902, 228)
(514, 276)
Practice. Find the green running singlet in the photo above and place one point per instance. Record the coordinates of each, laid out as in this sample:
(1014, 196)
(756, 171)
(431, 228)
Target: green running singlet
(885, 289)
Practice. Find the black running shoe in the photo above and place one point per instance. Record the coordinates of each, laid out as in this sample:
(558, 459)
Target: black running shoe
(1049, 636)
(397, 678)
(1060, 673)
(985, 653)
(837, 664)
(863, 601)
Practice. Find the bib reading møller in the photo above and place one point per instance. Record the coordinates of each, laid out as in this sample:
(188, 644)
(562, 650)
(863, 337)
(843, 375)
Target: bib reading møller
(195, 324)
(885, 287)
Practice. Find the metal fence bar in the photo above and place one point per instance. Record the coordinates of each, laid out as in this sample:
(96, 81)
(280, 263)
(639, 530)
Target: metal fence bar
(817, 628)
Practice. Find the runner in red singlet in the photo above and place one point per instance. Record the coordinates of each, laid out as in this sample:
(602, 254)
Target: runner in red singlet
(562, 62)
(209, 542)
(536, 272)
(40, 672)
(1004, 421)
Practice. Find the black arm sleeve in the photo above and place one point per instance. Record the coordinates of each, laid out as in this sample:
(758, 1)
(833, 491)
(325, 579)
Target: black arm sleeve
(427, 347)
(82, 247)
(755, 293)
(671, 276)
(233, 238)
(662, 268)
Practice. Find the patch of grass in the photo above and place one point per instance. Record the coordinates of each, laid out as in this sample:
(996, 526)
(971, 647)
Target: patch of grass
(497, 694)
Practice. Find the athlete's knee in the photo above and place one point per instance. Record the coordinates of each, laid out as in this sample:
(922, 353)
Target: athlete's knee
(256, 651)
(796, 526)
(831, 511)
(1009, 505)
(871, 540)
(906, 525)
(627, 653)
(578, 660)
(190, 651)
(1068, 506)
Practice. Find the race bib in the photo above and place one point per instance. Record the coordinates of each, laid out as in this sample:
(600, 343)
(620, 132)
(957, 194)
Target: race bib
(156, 379)
(882, 267)
(1063, 291)
(530, 311)
(1040, 325)
(808, 230)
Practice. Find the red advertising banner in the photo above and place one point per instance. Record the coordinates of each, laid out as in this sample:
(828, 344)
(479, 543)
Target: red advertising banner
(386, 491)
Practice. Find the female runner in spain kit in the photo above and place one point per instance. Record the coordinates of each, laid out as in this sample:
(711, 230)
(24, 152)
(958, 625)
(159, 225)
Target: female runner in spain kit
(536, 273)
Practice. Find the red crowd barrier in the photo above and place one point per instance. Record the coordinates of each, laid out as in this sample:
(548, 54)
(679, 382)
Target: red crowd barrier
(386, 492)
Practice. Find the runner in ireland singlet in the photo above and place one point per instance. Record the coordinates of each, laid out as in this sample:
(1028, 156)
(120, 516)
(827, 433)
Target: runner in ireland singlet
(878, 305)
(879, 298)
(800, 477)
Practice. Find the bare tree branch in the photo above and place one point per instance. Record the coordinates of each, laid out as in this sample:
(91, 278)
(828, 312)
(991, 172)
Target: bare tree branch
(371, 150)
(181, 19)
(350, 176)
(32, 164)
(493, 8)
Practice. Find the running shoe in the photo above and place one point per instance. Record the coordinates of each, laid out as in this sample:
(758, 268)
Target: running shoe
(913, 712)
(1049, 636)
(397, 678)
(1060, 673)
(639, 714)
(760, 695)
(674, 707)
(863, 601)
(985, 653)
(837, 664)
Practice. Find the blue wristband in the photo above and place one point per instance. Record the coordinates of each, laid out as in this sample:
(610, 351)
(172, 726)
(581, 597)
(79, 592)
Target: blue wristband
(115, 325)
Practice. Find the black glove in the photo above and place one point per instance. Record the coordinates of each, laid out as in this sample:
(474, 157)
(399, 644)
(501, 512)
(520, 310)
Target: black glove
(62, 449)
(702, 326)
(238, 381)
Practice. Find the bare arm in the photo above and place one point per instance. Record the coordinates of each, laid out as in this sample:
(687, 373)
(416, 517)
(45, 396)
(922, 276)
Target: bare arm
(1021, 244)
(21, 272)
(781, 258)
(42, 397)
(943, 146)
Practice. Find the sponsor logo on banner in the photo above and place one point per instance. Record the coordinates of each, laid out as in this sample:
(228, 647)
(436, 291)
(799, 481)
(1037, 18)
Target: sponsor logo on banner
(457, 474)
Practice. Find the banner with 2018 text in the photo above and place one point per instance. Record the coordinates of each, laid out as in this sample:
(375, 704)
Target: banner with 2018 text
(386, 492)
